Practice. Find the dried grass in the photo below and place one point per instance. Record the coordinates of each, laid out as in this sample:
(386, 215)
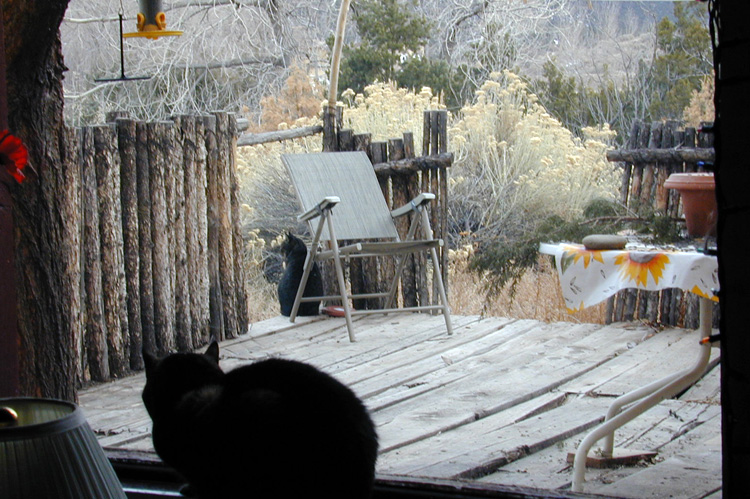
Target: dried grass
(537, 296)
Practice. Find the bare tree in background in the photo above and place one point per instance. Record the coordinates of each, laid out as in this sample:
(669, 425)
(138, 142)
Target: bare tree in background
(231, 54)
(235, 52)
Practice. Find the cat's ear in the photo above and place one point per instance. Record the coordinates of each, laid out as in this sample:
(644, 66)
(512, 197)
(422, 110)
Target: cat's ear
(149, 361)
(213, 351)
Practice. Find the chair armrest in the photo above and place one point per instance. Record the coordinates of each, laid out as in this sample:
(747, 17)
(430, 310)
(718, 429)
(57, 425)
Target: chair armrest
(412, 205)
(326, 204)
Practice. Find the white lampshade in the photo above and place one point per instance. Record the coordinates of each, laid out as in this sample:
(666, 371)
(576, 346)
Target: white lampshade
(51, 452)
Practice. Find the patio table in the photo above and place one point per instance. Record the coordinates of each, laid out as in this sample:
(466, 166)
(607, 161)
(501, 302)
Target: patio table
(588, 277)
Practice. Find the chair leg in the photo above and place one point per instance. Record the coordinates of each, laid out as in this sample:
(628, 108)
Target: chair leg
(437, 275)
(342, 282)
(441, 291)
(309, 262)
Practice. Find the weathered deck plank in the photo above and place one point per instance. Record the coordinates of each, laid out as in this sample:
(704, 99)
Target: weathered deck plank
(499, 401)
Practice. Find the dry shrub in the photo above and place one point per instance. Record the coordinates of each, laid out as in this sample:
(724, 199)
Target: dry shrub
(515, 165)
(300, 98)
(536, 296)
(386, 111)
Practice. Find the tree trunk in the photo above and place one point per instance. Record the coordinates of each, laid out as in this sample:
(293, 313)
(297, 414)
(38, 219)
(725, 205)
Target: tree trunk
(48, 282)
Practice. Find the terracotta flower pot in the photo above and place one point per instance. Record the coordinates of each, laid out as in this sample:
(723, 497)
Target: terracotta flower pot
(698, 201)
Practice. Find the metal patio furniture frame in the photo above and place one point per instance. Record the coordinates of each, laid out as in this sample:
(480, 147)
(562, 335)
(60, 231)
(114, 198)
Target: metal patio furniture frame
(347, 181)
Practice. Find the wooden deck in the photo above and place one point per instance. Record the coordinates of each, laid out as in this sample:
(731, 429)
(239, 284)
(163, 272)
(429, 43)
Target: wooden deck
(500, 401)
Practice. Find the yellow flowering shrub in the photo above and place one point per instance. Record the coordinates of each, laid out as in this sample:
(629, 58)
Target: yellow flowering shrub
(387, 112)
(516, 163)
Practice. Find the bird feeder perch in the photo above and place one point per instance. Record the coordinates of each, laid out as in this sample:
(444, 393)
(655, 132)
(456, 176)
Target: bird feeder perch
(152, 22)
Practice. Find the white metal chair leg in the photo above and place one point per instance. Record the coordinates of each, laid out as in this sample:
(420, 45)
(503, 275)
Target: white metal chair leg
(307, 268)
(436, 273)
(341, 281)
(670, 386)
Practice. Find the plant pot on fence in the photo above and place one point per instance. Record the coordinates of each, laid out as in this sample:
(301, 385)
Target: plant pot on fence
(698, 201)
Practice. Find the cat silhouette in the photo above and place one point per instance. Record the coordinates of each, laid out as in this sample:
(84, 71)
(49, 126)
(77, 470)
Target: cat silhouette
(272, 429)
(294, 251)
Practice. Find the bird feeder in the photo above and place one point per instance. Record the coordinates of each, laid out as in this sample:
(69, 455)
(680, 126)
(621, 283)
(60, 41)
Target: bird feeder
(152, 22)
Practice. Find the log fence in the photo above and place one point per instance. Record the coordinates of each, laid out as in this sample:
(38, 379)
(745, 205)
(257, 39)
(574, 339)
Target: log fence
(161, 248)
(652, 153)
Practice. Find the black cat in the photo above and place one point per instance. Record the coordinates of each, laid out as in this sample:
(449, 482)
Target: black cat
(273, 429)
(295, 252)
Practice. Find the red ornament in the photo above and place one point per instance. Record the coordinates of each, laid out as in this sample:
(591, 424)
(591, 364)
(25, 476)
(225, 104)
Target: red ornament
(13, 155)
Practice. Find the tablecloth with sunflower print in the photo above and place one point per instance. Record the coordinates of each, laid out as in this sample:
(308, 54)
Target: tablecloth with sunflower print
(588, 277)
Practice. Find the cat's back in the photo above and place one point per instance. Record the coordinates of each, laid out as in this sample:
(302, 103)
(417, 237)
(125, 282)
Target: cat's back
(294, 383)
(284, 407)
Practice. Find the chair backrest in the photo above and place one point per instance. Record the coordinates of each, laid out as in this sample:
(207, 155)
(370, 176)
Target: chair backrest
(362, 212)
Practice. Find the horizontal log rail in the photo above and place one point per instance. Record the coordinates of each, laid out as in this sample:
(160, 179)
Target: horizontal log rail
(410, 166)
(691, 155)
(254, 139)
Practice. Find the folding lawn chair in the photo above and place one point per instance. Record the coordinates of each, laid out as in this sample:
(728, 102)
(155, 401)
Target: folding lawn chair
(347, 181)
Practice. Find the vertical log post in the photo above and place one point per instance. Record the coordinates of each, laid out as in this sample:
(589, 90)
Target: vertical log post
(195, 227)
(183, 319)
(369, 266)
(237, 241)
(221, 176)
(441, 229)
(71, 209)
(145, 245)
(386, 266)
(95, 327)
(216, 304)
(126, 138)
(160, 228)
(107, 162)
(113, 267)
(203, 241)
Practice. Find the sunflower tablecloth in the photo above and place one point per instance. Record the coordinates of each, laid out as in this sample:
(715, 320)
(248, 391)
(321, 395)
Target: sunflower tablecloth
(588, 277)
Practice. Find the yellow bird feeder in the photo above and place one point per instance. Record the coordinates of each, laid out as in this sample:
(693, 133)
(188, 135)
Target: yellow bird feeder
(152, 22)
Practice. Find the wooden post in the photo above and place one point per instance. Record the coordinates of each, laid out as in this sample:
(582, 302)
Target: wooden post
(71, 209)
(221, 176)
(160, 227)
(95, 326)
(346, 140)
(634, 199)
(113, 267)
(145, 246)
(628, 167)
(126, 137)
(369, 273)
(243, 321)
(330, 141)
(441, 229)
(195, 227)
(183, 319)
(216, 305)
